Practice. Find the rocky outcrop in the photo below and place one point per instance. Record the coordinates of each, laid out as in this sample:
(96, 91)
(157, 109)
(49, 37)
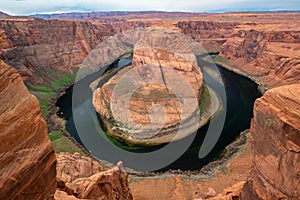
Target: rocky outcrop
(231, 193)
(275, 146)
(211, 34)
(35, 46)
(164, 73)
(39, 49)
(27, 159)
(70, 167)
(81, 178)
(270, 56)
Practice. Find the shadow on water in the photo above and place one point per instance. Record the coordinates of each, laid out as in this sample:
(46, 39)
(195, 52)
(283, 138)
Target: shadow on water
(240, 95)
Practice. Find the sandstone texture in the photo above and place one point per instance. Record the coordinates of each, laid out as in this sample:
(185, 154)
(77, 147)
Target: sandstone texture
(210, 34)
(70, 167)
(160, 90)
(264, 47)
(27, 159)
(39, 48)
(80, 177)
(275, 146)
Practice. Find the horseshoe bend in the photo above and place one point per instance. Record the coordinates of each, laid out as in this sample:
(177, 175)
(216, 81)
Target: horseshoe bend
(166, 86)
(158, 96)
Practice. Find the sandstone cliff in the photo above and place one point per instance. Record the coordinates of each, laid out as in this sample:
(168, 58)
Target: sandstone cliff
(81, 178)
(35, 46)
(211, 34)
(269, 56)
(27, 159)
(164, 74)
(263, 46)
(275, 146)
(39, 48)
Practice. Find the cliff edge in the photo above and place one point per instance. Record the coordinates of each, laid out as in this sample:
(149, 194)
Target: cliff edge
(27, 159)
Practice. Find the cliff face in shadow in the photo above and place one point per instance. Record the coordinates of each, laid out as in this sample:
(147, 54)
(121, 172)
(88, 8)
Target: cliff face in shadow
(27, 159)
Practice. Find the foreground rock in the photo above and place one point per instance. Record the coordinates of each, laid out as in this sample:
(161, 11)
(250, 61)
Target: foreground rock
(275, 146)
(147, 101)
(70, 167)
(27, 159)
(80, 177)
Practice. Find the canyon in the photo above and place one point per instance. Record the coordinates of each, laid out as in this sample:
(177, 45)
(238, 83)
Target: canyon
(160, 58)
(29, 167)
(262, 46)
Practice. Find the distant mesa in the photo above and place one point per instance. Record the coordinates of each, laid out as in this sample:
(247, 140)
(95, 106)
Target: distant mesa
(3, 14)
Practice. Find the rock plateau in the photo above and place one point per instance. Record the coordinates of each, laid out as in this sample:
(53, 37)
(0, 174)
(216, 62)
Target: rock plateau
(160, 61)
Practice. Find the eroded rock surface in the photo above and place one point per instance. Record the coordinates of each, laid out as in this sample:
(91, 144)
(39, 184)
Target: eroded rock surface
(160, 90)
(71, 167)
(27, 159)
(40, 48)
(270, 56)
(81, 178)
(275, 146)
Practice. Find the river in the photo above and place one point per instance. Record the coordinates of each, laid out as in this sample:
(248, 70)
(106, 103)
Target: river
(236, 92)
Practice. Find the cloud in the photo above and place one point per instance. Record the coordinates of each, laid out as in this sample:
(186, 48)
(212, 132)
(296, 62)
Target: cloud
(25, 7)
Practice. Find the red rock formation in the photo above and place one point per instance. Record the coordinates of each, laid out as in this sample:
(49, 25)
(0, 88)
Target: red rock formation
(270, 56)
(34, 45)
(275, 146)
(71, 167)
(37, 47)
(166, 75)
(80, 177)
(211, 34)
(27, 159)
(231, 193)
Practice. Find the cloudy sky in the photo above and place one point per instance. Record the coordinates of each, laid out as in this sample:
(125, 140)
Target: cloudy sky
(25, 7)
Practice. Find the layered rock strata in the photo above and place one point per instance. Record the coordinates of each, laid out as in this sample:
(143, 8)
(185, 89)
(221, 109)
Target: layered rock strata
(268, 56)
(275, 146)
(81, 178)
(40, 48)
(27, 159)
(161, 90)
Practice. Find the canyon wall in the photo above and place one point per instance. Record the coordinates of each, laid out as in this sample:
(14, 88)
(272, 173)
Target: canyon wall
(262, 46)
(211, 34)
(39, 48)
(27, 159)
(275, 146)
(269, 55)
